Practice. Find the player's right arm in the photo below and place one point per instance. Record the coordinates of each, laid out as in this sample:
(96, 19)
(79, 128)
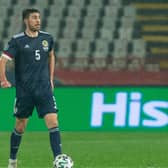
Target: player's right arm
(9, 53)
(3, 79)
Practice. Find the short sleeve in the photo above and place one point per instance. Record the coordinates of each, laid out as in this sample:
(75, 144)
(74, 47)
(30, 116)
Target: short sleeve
(51, 44)
(10, 50)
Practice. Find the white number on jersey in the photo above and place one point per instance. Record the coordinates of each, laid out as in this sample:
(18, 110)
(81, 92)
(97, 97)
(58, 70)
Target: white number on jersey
(37, 55)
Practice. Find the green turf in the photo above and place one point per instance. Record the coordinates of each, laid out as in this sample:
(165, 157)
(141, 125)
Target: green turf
(92, 149)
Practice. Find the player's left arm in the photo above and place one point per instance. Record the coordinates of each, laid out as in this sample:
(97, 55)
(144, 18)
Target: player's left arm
(52, 66)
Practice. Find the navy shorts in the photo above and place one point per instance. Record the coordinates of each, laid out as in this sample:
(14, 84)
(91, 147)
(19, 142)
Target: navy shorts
(43, 101)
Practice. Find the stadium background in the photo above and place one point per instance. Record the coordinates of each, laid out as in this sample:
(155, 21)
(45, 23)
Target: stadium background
(105, 46)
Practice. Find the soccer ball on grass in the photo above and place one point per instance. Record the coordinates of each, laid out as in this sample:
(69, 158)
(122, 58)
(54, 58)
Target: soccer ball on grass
(63, 161)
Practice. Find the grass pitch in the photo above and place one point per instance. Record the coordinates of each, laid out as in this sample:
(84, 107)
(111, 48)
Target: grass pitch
(92, 149)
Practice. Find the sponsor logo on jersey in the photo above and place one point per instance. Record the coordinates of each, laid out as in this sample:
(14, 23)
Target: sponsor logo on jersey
(26, 46)
(45, 45)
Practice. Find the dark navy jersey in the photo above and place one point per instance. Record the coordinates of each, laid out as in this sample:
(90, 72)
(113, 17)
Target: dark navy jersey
(31, 57)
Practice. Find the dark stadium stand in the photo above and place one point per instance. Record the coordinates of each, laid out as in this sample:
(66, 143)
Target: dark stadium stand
(153, 16)
(109, 36)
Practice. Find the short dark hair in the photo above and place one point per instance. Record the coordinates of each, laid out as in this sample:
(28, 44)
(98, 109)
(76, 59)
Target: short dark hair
(27, 12)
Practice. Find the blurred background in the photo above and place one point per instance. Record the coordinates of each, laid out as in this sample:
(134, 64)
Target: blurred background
(99, 42)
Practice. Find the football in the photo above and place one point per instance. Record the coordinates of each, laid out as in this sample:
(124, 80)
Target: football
(63, 161)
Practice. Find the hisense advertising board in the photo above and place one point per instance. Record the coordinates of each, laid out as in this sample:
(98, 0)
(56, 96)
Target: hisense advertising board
(99, 109)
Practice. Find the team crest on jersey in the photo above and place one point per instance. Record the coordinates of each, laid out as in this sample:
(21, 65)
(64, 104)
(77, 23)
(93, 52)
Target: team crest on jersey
(45, 45)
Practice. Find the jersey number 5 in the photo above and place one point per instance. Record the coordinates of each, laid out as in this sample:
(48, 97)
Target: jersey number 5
(37, 55)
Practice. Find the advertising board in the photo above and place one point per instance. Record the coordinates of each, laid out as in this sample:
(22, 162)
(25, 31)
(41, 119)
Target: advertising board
(99, 109)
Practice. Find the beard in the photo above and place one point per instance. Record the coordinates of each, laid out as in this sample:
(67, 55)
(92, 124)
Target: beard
(34, 28)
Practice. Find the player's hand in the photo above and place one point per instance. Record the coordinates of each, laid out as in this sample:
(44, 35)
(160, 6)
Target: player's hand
(52, 85)
(5, 84)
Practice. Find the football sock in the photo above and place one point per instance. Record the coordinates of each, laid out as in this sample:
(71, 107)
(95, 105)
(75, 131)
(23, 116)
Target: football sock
(55, 141)
(15, 140)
